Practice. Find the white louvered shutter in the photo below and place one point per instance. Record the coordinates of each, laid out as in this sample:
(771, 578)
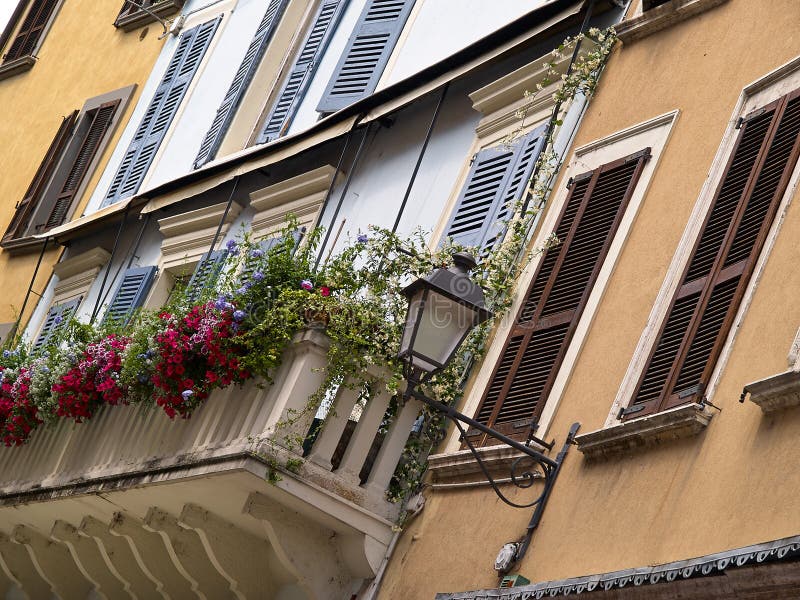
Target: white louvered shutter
(56, 316)
(294, 88)
(244, 75)
(130, 294)
(366, 53)
(188, 55)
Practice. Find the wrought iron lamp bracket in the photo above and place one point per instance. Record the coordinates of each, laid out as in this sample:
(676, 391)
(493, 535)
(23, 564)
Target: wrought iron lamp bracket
(524, 471)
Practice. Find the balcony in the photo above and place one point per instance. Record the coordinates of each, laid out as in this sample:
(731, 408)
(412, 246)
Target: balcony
(135, 505)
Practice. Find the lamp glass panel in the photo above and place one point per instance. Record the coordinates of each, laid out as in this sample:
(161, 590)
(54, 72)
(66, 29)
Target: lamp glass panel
(414, 305)
(442, 326)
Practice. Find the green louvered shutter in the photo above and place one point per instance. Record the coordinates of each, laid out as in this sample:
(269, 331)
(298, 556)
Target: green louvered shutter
(205, 274)
(366, 53)
(130, 294)
(497, 179)
(294, 88)
(238, 87)
(56, 316)
(188, 55)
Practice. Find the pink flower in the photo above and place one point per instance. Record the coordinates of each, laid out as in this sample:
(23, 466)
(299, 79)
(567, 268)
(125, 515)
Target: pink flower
(325, 290)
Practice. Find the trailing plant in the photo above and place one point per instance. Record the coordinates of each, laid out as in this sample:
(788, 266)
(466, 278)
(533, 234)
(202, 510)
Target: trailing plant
(239, 328)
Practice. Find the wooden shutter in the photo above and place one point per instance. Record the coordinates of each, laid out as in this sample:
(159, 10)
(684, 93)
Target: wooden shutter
(280, 115)
(100, 122)
(714, 281)
(366, 53)
(205, 274)
(24, 210)
(32, 28)
(191, 48)
(557, 295)
(495, 182)
(56, 316)
(244, 75)
(130, 294)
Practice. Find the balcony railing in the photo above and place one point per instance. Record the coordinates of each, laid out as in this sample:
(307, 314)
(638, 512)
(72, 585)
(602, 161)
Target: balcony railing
(140, 461)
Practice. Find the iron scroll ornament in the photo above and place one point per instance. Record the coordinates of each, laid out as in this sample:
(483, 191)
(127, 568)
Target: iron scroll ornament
(523, 471)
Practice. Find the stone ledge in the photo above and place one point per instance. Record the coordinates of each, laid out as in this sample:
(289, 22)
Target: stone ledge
(661, 17)
(681, 422)
(776, 392)
(16, 66)
(445, 467)
(136, 19)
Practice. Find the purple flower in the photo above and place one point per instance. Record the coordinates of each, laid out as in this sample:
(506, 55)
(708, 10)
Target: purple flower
(187, 394)
(307, 285)
(242, 290)
(239, 315)
(221, 303)
(233, 247)
(258, 276)
(57, 320)
(256, 253)
(363, 238)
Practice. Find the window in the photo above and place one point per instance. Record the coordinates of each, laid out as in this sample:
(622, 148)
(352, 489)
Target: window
(19, 54)
(703, 308)
(283, 109)
(496, 181)
(162, 109)
(366, 54)
(556, 297)
(244, 75)
(132, 16)
(63, 173)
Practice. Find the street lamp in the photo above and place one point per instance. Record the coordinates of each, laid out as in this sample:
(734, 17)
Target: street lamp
(443, 308)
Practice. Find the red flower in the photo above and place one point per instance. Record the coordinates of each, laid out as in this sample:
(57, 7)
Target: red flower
(325, 290)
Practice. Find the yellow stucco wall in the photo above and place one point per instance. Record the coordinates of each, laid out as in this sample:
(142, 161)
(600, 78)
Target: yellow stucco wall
(82, 56)
(733, 485)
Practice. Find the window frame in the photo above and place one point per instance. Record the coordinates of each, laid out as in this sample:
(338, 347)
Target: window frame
(653, 133)
(25, 62)
(63, 161)
(758, 94)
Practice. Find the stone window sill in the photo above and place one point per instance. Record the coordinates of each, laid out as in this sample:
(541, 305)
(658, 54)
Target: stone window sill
(134, 20)
(16, 66)
(681, 422)
(444, 468)
(776, 392)
(663, 16)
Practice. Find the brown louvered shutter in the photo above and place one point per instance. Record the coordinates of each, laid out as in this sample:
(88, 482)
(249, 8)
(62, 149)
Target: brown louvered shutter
(706, 303)
(557, 295)
(21, 218)
(32, 29)
(101, 119)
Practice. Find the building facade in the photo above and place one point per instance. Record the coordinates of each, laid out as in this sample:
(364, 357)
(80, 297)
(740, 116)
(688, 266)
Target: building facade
(65, 107)
(343, 115)
(674, 488)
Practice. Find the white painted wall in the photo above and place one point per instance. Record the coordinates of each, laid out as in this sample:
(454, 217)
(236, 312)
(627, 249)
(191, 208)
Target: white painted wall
(439, 28)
